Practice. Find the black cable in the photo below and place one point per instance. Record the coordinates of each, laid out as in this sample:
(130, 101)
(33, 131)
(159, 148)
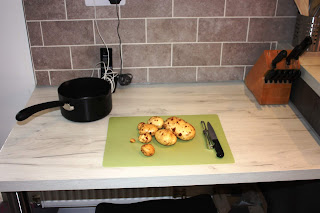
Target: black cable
(124, 79)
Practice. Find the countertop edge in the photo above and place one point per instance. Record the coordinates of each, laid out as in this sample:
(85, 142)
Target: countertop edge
(143, 182)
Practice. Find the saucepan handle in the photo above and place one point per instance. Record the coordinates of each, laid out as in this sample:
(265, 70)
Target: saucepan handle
(27, 112)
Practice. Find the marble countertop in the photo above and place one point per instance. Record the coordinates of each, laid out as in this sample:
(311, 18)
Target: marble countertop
(269, 143)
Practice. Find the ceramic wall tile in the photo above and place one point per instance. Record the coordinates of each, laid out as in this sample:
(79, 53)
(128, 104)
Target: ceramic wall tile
(196, 54)
(58, 77)
(167, 41)
(242, 53)
(146, 8)
(287, 8)
(211, 74)
(42, 78)
(67, 32)
(78, 10)
(146, 55)
(251, 7)
(131, 31)
(86, 57)
(51, 58)
(274, 29)
(44, 9)
(172, 75)
(172, 30)
(139, 75)
(35, 36)
(223, 29)
(198, 8)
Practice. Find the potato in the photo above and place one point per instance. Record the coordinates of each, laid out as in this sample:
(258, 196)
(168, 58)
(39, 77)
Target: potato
(182, 129)
(140, 125)
(157, 121)
(145, 138)
(165, 137)
(147, 150)
(148, 128)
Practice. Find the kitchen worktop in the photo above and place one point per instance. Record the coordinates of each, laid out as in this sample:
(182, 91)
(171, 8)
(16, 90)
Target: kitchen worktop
(269, 143)
(310, 67)
(310, 70)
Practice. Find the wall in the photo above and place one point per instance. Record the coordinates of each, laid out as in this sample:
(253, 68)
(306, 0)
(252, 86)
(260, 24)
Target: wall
(163, 41)
(17, 79)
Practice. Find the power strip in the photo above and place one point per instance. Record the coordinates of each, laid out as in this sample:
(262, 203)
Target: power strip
(102, 2)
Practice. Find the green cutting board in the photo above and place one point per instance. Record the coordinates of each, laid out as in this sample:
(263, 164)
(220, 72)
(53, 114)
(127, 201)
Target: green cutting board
(120, 152)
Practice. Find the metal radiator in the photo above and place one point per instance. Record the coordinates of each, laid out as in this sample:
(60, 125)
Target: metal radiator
(87, 198)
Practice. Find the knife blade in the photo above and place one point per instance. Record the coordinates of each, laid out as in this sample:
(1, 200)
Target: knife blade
(299, 50)
(214, 139)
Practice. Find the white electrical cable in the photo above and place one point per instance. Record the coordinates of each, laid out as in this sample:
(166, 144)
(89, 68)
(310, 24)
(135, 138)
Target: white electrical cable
(108, 76)
(96, 23)
(18, 200)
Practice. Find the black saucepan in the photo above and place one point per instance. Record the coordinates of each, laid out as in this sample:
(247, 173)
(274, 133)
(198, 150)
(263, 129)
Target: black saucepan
(80, 100)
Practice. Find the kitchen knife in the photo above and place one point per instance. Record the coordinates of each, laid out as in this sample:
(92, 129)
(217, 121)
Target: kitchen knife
(272, 73)
(296, 75)
(299, 50)
(214, 139)
(278, 58)
(282, 75)
(285, 76)
(276, 76)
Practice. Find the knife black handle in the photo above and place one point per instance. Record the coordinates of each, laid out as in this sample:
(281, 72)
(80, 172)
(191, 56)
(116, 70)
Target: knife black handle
(299, 49)
(218, 149)
(269, 75)
(281, 55)
(296, 76)
(276, 76)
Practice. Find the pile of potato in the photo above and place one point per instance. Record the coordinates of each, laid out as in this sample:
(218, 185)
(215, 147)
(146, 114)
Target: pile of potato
(165, 132)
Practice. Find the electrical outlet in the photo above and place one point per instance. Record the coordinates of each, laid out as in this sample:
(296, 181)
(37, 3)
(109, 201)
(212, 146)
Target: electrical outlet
(104, 57)
(103, 2)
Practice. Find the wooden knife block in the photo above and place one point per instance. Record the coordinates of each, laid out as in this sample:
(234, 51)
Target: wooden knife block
(269, 93)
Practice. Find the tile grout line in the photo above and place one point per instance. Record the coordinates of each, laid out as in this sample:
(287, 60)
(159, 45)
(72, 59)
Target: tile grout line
(148, 74)
(225, 8)
(146, 30)
(275, 12)
(65, 9)
(244, 72)
(172, 8)
(153, 67)
(160, 43)
(171, 55)
(49, 76)
(94, 33)
(248, 30)
(205, 17)
(41, 34)
(197, 32)
(197, 74)
(71, 58)
(221, 54)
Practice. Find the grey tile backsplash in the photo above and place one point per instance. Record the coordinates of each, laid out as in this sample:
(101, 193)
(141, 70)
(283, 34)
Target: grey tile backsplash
(163, 41)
